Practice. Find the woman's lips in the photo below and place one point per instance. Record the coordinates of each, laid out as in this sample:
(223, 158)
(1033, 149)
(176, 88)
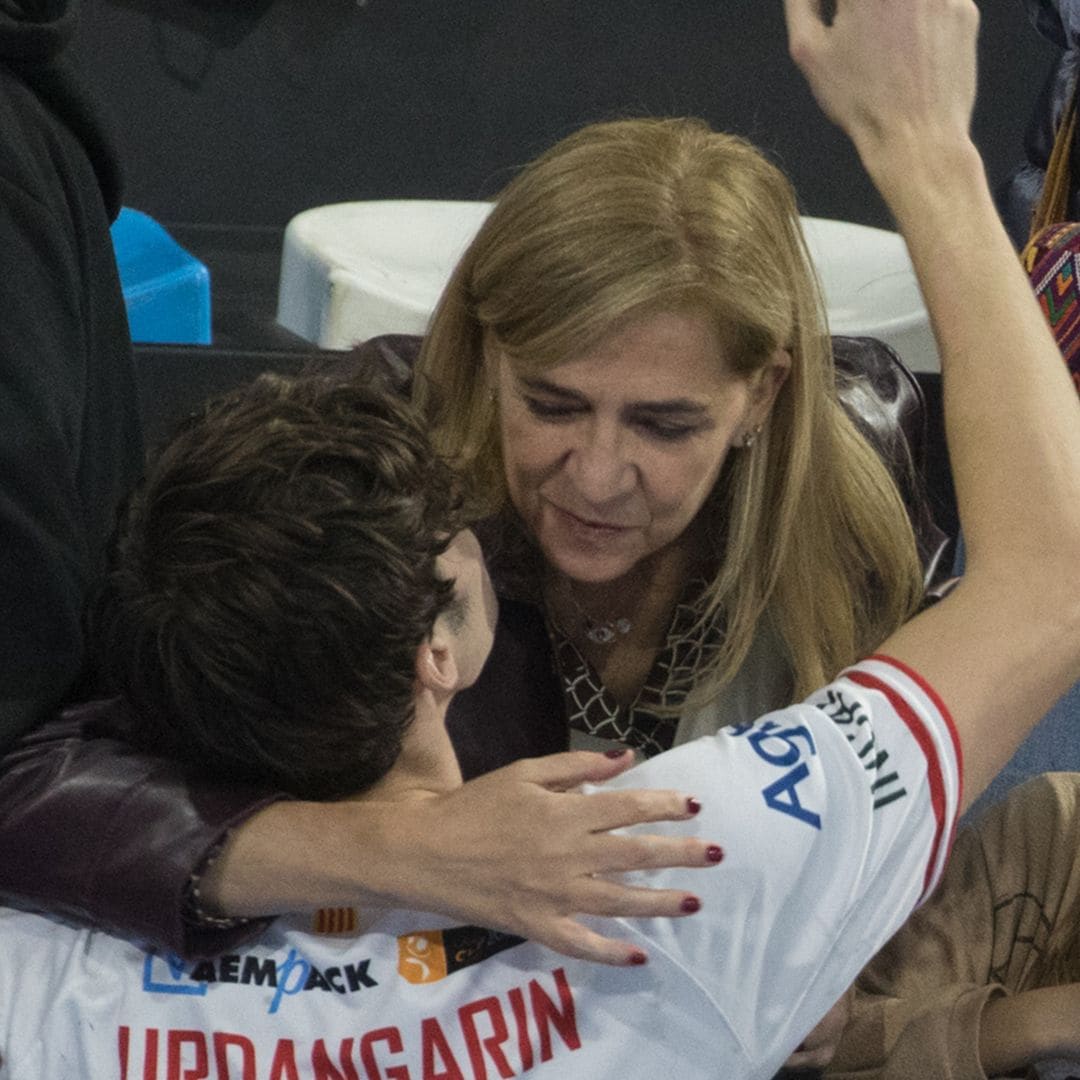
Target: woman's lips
(589, 527)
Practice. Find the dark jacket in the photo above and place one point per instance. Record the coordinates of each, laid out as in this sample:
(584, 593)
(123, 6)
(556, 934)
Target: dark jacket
(1058, 21)
(69, 428)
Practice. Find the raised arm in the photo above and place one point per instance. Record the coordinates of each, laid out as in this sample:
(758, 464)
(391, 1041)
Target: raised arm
(900, 80)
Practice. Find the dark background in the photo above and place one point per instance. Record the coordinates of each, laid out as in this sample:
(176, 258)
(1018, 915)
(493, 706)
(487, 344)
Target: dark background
(234, 115)
(244, 112)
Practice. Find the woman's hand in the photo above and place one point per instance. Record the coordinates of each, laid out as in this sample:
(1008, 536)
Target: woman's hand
(899, 78)
(516, 850)
(520, 851)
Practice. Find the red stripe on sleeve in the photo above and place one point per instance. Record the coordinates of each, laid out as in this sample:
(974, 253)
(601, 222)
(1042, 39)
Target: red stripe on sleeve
(926, 744)
(941, 707)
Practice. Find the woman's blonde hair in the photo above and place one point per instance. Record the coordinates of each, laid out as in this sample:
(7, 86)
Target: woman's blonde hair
(633, 216)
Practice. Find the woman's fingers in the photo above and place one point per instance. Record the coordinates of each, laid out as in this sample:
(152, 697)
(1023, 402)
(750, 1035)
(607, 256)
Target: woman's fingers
(571, 937)
(603, 810)
(621, 853)
(615, 899)
(516, 851)
(562, 772)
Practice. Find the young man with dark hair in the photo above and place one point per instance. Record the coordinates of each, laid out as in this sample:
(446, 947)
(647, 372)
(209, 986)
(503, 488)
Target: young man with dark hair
(272, 582)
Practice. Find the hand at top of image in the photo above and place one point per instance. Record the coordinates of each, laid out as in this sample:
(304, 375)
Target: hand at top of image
(893, 76)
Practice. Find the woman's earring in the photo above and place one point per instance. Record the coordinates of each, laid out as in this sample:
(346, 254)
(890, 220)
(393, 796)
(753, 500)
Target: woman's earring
(750, 437)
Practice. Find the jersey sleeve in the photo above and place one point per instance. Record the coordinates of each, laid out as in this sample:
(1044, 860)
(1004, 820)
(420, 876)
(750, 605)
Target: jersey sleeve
(918, 737)
(836, 817)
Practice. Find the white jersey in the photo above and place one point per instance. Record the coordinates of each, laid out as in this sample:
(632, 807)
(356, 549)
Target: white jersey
(835, 816)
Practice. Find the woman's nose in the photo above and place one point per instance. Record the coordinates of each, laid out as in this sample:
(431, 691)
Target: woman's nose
(601, 465)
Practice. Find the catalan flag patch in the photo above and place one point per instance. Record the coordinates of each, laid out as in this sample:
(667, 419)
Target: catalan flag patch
(335, 920)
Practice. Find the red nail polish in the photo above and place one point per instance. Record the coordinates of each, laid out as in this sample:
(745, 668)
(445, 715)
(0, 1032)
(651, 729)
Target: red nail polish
(693, 806)
(614, 753)
(637, 959)
(689, 905)
(714, 854)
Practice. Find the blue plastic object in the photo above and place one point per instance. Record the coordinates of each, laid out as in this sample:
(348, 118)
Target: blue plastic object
(166, 289)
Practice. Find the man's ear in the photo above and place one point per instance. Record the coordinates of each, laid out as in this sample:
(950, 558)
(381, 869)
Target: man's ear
(436, 668)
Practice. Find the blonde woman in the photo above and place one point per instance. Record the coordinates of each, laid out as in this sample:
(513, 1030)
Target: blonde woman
(631, 367)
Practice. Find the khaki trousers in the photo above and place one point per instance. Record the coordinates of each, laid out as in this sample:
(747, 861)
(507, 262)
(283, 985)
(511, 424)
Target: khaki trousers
(1004, 919)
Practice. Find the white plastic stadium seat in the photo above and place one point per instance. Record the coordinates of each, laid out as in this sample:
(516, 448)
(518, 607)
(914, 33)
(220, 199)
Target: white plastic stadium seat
(350, 271)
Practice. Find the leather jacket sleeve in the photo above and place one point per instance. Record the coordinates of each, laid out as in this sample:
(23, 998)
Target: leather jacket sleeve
(109, 836)
(96, 831)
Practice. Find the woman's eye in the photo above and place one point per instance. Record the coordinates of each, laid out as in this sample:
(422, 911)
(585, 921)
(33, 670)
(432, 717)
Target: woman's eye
(549, 410)
(666, 432)
(651, 427)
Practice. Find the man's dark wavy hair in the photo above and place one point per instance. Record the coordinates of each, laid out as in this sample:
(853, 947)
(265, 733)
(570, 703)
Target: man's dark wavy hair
(271, 580)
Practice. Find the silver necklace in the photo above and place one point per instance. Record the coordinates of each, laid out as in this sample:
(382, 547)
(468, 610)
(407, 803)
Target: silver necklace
(604, 633)
(599, 632)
